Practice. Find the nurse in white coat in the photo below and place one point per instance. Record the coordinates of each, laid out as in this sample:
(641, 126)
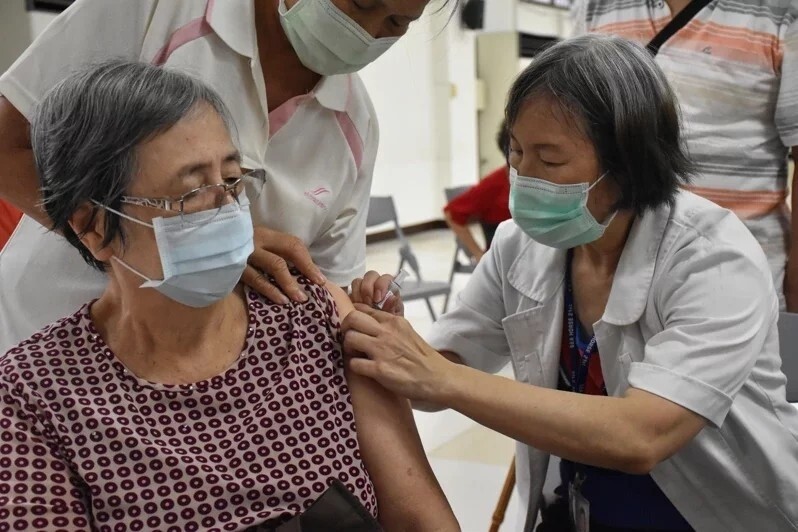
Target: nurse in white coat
(656, 305)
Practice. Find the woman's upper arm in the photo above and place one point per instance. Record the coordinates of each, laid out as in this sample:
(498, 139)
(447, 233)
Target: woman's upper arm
(342, 301)
(718, 311)
(408, 494)
(52, 503)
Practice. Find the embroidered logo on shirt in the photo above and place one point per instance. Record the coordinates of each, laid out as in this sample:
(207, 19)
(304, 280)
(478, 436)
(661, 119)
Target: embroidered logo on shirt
(313, 195)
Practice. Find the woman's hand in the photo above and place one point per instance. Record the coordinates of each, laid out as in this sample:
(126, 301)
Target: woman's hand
(397, 357)
(372, 288)
(273, 252)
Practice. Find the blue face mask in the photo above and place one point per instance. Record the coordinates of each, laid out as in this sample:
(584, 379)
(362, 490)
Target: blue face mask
(554, 215)
(202, 262)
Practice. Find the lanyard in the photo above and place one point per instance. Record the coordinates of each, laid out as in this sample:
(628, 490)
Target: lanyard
(580, 362)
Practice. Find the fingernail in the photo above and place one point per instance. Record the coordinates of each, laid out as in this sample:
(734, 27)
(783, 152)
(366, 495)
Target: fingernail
(300, 296)
(378, 296)
(321, 279)
(282, 300)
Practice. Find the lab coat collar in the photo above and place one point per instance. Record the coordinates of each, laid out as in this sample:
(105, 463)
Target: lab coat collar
(538, 271)
(635, 272)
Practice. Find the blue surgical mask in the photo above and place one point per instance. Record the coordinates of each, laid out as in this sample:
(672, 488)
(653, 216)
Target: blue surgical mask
(554, 215)
(326, 40)
(202, 262)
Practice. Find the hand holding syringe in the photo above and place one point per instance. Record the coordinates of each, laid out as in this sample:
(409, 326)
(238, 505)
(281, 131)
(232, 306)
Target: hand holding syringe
(393, 289)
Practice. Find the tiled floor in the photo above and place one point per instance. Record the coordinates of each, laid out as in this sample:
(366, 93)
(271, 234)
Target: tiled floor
(470, 461)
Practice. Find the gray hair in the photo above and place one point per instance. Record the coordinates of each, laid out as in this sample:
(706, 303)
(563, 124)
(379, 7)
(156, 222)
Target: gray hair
(621, 100)
(86, 130)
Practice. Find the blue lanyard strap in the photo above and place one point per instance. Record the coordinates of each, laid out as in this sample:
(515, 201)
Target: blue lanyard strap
(580, 361)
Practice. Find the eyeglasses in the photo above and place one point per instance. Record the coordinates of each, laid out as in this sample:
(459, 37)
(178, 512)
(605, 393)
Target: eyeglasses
(202, 204)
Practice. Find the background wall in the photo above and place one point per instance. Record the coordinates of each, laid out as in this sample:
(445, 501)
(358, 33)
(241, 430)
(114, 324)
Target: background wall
(15, 31)
(426, 92)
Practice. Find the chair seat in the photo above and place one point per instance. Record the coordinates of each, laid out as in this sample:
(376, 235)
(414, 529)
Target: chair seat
(459, 267)
(421, 289)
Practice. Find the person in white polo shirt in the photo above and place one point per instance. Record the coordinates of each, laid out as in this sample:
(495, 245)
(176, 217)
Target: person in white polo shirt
(285, 68)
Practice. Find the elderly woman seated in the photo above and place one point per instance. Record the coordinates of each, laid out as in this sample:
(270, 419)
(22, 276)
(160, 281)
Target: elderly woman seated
(179, 399)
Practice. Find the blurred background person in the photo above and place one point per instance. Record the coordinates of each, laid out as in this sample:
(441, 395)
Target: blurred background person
(734, 67)
(486, 203)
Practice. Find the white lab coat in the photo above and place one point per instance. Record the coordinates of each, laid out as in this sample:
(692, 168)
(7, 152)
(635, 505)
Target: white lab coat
(691, 317)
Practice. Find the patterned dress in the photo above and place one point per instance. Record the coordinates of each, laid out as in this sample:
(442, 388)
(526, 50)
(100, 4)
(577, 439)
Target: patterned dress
(87, 445)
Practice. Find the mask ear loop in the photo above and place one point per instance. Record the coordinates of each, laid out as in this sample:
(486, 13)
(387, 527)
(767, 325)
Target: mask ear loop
(609, 221)
(613, 215)
(134, 270)
(596, 182)
(117, 259)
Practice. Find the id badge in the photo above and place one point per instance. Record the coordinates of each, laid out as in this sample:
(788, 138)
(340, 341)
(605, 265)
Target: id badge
(578, 507)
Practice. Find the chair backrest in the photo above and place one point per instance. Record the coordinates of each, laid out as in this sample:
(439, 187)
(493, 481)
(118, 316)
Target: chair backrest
(453, 192)
(788, 340)
(381, 210)
(407, 256)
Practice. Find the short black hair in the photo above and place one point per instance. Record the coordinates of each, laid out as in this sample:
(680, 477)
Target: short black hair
(621, 99)
(503, 139)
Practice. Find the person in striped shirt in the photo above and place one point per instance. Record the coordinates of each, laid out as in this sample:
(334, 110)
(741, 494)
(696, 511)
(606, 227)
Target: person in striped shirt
(734, 67)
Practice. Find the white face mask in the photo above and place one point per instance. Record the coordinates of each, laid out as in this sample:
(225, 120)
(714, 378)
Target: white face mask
(326, 40)
(202, 263)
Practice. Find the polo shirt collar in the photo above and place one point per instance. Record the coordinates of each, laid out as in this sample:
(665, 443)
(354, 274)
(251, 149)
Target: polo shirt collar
(333, 92)
(233, 21)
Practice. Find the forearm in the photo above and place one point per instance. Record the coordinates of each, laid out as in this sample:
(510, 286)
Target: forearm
(19, 183)
(425, 406)
(595, 430)
(465, 236)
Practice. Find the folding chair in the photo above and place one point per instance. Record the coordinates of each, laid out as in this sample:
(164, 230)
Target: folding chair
(458, 264)
(382, 210)
(788, 335)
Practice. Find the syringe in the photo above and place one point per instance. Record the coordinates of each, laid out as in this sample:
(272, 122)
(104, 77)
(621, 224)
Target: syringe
(393, 289)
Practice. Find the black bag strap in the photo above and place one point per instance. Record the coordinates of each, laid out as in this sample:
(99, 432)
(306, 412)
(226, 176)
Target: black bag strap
(678, 22)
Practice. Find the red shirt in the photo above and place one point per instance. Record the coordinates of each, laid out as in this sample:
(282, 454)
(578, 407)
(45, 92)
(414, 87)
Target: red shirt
(488, 201)
(9, 218)
(595, 378)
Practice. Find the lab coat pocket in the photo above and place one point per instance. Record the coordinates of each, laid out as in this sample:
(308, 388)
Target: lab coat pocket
(526, 336)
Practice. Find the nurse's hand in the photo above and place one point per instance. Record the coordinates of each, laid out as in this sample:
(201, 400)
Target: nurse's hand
(385, 348)
(273, 253)
(372, 288)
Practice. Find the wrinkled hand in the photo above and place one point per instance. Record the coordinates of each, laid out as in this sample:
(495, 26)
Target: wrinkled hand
(385, 348)
(273, 252)
(372, 288)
